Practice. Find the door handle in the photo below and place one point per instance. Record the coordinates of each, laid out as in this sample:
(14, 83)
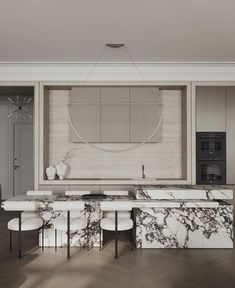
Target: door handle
(16, 166)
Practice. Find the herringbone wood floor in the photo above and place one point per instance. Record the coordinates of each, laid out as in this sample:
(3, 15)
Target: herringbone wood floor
(157, 268)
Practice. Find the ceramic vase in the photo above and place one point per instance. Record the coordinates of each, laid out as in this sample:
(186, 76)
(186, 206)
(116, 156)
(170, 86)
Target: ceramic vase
(61, 170)
(51, 172)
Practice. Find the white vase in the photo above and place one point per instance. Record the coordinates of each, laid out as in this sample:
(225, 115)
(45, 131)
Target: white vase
(61, 170)
(51, 172)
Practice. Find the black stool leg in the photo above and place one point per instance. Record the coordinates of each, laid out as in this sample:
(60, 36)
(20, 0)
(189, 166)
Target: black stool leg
(68, 235)
(133, 230)
(116, 234)
(132, 239)
(55, 240)
(10, 240)
(43, 237)
(19, 237)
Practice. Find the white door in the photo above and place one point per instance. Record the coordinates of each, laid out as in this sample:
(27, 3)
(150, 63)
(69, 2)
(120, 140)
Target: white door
(23, 170)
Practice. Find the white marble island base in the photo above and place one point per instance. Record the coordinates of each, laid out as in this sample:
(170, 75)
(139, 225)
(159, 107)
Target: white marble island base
(206, 223)
(184, 227)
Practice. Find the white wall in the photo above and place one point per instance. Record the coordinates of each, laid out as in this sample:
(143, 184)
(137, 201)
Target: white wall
(161, 160)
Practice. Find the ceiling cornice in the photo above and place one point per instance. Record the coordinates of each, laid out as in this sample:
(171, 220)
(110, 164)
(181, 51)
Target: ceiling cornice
(118, 63)
(117, 71)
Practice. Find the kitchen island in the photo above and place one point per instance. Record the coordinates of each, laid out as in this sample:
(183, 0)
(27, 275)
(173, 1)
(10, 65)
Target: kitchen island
(188, 217)
(165, 217)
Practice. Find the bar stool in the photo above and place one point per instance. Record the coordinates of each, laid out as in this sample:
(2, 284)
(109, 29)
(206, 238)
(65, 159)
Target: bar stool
(121, 214)
(115, 223)
(35, 213)
(25, 224)
(68, 223)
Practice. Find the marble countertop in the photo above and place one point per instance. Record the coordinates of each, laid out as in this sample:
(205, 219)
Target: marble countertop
(184, 192)
(22, 203)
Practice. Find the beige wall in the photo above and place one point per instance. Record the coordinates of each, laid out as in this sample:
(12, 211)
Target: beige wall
(161, 160)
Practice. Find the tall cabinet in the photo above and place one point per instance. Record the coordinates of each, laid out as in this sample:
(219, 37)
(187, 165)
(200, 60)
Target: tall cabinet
(215, 112)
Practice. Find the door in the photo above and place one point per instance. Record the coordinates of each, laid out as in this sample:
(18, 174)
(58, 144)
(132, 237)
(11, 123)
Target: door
(23, 162)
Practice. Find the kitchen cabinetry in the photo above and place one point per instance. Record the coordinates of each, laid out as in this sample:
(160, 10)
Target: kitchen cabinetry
(215, 112)
(230, 123)
(115, 114)
(211, 109)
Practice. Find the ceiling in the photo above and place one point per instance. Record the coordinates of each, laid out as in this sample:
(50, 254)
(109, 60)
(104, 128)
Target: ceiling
(153, 30)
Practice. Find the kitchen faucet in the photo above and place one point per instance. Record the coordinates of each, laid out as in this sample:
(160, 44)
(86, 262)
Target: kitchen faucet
(143, 175)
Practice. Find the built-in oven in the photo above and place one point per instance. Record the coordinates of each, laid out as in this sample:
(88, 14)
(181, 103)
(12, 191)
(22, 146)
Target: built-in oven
(211, 158)
(211, 145)
(211, 172)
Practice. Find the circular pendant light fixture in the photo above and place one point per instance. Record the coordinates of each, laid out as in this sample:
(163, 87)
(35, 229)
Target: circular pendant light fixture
(130, 146)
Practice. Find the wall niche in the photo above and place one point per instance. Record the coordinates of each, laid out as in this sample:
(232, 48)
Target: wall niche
(117, 117)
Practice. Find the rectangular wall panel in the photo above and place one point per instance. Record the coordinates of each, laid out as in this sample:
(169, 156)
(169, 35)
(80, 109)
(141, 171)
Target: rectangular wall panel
(231, 135)
(115, 123)
(210, 109)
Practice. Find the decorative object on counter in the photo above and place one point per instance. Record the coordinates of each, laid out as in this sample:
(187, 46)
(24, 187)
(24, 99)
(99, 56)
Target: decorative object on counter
(62, 167)
(51, 172)
(61, 170)
(20, 112)
(67, 156)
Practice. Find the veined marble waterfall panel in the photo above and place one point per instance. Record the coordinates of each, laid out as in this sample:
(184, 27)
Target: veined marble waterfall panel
(81, 238)
(192, 223)
(185, 227)
(161, 160)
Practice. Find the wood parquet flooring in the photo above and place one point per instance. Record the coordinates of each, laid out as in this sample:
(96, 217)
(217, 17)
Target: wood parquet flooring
(152, 268)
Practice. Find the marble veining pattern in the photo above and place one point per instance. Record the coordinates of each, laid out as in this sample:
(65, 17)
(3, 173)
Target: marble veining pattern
(82, 238)
(184, 227)
(183, 192)
(88, 237)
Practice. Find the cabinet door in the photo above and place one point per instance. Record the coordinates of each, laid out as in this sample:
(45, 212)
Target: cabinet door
(114, 114)
(144, 113)
(210, 110)
(144, 95)
(115, 95)
(85, 114)
(86, 121)
(143, 121)
(85, 94)
(115, 123)
(230, 135)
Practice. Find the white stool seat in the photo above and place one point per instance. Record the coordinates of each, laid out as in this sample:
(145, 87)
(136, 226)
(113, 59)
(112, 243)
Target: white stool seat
(121, 214)
(35, 213)
(27, 224)
(75, 224)
(123, 224)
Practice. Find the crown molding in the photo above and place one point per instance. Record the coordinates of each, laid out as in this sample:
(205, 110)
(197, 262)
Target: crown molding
(117, 71)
